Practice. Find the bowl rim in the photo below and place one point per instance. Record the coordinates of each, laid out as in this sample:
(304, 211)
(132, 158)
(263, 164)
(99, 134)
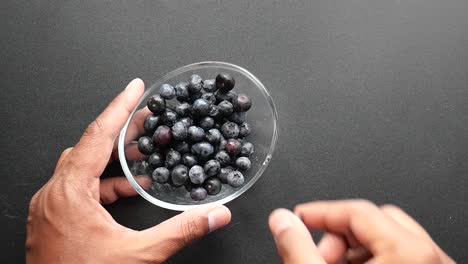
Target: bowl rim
(258, 174)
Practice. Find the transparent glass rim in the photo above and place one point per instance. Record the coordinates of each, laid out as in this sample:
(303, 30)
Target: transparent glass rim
(258, 174)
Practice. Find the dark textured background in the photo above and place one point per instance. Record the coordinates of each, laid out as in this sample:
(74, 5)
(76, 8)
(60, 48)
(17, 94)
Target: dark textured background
(372, 99)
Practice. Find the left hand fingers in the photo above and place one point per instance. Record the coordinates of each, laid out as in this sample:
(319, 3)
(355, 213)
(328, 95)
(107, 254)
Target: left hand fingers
(90, 156)
(112, 189)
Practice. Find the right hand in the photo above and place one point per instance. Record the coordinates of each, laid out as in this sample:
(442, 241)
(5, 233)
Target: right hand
(356, 231)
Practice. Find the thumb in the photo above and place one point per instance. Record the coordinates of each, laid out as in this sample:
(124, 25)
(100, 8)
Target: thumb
(165, 239)
(293, 239)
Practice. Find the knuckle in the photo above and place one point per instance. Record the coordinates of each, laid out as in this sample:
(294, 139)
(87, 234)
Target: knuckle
(94, 128)
(190, 230)
(363, 205)
(391, 208)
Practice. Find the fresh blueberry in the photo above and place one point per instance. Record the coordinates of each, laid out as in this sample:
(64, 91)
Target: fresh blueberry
(210, 97)
(212, 185)
(181, 90)
(195, 84)
(167, 91)
(224, 172)
(187, 121)
(189, 160)
(214, 113)
(206, 123)
(145, 145)
(197, 174)
(169, 117)
(225, 108)
(243, 163)
(172, 158)
(224, 82)
(247, 149)
(209, 86)
(198, 194)
(237, 117)
(179, 175)
(203, 150)
(221, 96)
(161, 175)
(213, 136)
(156, 104)
(223, 158)
(201, 107)
(233, 146)
(244, 129)
(242, 103)
(183, 109)
(212, 167)
(156, 160)
(193, 97)
(196, 134)
(230, 130)
(235, 179)
(179, 131)
(162, 136)
(222, 144)
(182, 147)
(151, 123)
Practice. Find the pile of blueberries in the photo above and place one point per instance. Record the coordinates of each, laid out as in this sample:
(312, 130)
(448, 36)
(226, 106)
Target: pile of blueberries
(200, 141)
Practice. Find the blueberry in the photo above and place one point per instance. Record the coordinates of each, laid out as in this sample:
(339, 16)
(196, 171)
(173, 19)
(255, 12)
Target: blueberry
(225, 108)
(215, 113)
(230, 130)
(167, 91)
(243, 163)
(193, 97)
(201, 107)
(145, 145)
(161, 175)
(242, 103)
(169, 117)
(189, 160)
(212, 185)
(235, 179)
(210, 97)
(179, 131)
(156, 160)
(229, 96)
(209, 86)
(162, 136)
(172, 158)
(151, 123)
(213, 135)
(198, 194)
(182, 147)
(195, 84)
(181, 90)
(206, 123)
(244, 129)
(237, 117)
(224, 172)
(179, 175)
(183, 109)
(223, 158)
(203, 150)
(233, 146)
(222, 144)
(156, 104)
(225, 82)
(187, 121)
(197, 175)
(247, 149)
(196, 134)
(212, 167)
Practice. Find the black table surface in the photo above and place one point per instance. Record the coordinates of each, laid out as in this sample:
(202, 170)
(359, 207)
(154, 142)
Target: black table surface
(372, 99)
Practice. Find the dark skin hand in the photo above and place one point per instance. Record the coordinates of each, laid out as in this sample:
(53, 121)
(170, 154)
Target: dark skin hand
(67, 222)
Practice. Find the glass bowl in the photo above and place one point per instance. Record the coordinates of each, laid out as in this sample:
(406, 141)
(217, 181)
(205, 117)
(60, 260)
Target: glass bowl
(262, 117)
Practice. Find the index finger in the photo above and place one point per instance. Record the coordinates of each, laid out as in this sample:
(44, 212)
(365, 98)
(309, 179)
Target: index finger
(92, 152)
(372, 228)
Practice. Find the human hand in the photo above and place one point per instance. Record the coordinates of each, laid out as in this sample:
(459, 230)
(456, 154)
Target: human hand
(67, 223)
(357, 231)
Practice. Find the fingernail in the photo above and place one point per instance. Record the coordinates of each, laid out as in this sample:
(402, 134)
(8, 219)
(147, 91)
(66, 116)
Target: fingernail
(132, 83)
(218, 217)
(280, 220)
